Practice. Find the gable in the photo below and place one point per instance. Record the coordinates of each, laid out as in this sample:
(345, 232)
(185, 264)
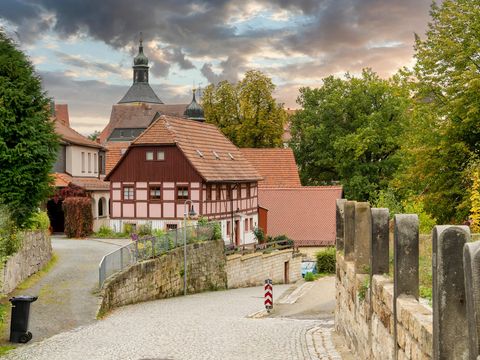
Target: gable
(134, 166)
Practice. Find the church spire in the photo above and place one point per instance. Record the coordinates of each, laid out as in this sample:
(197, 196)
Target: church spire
(140, 65)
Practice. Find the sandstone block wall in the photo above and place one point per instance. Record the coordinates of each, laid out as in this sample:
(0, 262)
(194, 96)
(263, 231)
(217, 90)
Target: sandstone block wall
(35, 253)
(253, 269)
(162, 277)
(368, 325)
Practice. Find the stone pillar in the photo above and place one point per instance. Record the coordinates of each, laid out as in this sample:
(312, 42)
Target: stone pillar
(380, 241)
(349, 229)
(405, 252)
(450, 335)
(363, 237)
(471, 263)
(340, 217)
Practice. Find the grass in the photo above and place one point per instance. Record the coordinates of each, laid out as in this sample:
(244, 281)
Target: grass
(32, 280)
(313, 277)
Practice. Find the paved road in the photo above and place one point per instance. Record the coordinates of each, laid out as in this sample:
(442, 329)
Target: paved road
(66, 294)
(211, 325)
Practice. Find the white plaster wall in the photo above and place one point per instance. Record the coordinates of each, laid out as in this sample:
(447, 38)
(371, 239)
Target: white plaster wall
(74, 161)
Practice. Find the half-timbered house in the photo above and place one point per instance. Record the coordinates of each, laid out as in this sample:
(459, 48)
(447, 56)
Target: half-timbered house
(177, 163)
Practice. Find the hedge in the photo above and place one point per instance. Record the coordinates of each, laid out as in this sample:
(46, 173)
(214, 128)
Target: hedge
(326, 261)
(78, 216)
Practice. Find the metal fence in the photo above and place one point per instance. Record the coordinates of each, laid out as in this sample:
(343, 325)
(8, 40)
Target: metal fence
(150, 246)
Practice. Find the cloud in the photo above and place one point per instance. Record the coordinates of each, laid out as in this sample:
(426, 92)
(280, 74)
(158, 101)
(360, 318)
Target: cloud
(78, 61)
(297, 42)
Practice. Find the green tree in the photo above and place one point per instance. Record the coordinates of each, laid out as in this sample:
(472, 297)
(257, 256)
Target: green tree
(348, 131)
(28, 143)
(94, 136)
(443, 135)
(246, 112)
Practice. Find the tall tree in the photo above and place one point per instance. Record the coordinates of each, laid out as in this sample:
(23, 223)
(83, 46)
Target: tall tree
(443, 139)
(347, 132)
(246, 112)
(28, 143)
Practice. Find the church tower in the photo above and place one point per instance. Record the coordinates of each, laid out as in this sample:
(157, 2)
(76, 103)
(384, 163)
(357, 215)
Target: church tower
(140, 91)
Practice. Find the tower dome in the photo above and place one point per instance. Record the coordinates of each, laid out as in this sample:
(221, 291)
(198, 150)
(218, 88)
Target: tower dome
(140, 59)
(194, 111)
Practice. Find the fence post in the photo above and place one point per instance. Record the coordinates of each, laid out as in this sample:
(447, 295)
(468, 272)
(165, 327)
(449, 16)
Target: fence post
(363, 237)
(349, 229)
(471, 263)
(340, 221)
(405, 251)
(450, 335)
(380, 241)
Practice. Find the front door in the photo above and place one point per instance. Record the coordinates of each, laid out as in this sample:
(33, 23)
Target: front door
(237, 232)
(286, 272)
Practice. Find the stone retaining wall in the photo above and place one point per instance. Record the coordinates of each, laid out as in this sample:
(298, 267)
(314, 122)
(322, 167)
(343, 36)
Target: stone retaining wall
(253, 269)
(35, 253)
(367, 324)
(162, 277)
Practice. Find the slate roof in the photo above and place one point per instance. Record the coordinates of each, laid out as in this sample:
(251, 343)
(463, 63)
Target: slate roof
(62, 180)
(69, 135)
(140, 92)
(277, 166)
(137, 116)
(305, 214)
(214, 156)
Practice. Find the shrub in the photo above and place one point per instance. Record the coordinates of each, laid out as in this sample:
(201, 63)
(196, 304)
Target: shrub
(128, 229)
(38, 221)
(144, 229)
(309, 276)
(10, 239)
(326, 261)
(217, 231)
(78, 216)
(105, 232)
(259, 235)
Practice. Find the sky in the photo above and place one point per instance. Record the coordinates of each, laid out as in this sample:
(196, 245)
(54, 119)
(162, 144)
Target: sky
(83, 49)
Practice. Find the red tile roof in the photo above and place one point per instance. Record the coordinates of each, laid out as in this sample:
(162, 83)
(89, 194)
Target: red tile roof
(62, 180)
(137, 115)
(306, 214)
(277, 166)
(214, 156)
(71, 136)
(115, 151)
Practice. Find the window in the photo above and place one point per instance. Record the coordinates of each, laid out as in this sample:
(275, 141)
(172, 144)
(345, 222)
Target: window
(251, 224)
(248, 191)
(100, 207)
(228, 228)
(128, 193)
(149, 155)
(100, 163)
(182, 192)
(155, 193)
(171, 226)
(219, 192)
(246, 225)
(229, 192)
(95, 163)
(89, 162)
(83, 162)
(160, 155)
(209, 192)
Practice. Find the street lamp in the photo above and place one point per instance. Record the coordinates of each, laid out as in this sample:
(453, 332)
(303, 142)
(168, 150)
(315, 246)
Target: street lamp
(191, 213)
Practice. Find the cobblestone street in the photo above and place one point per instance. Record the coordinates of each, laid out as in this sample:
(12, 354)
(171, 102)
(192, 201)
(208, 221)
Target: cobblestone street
(202, 326)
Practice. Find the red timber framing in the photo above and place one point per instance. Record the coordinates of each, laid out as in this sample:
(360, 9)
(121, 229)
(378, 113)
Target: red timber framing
(169, 174)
